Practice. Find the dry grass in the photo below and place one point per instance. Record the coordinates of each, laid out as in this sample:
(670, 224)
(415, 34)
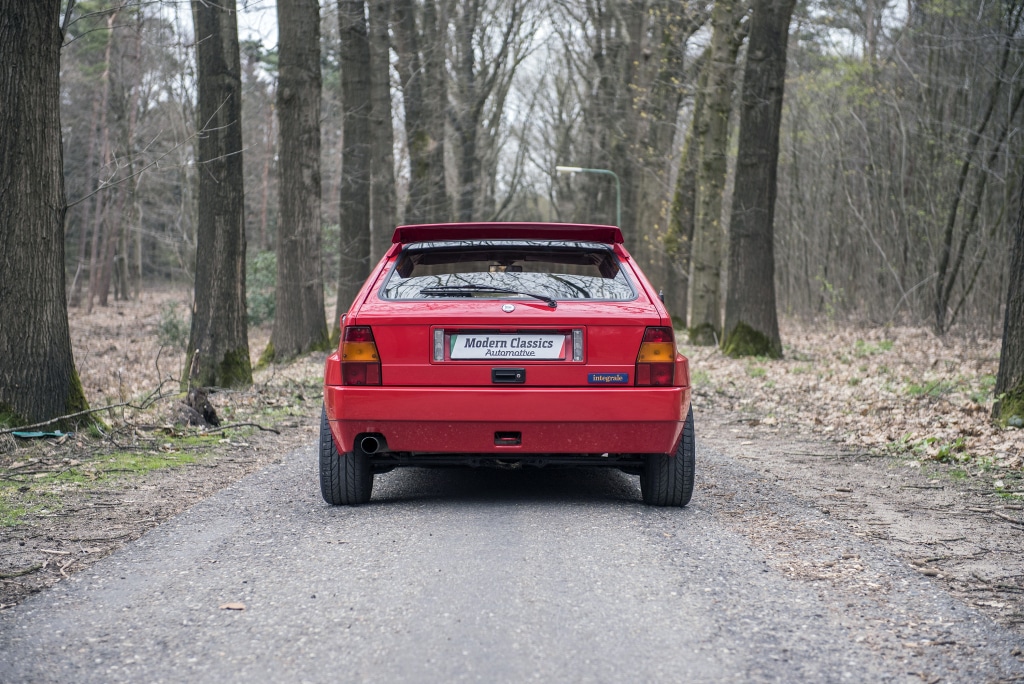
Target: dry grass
(895, 390)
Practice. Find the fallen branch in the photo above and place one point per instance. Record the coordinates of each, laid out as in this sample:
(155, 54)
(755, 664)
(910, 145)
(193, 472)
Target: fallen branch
(150, 399)
(235, 425)
(20, 573)
(98, 539)
(1008, 518)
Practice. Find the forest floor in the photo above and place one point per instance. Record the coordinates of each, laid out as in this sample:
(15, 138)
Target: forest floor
(886, 429)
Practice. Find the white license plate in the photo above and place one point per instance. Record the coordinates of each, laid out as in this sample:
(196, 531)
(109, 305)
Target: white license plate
(506, 346)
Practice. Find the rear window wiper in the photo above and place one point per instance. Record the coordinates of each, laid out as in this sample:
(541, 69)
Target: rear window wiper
(454, 290)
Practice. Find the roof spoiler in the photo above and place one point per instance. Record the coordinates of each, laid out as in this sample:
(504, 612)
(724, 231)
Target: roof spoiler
(515, 231)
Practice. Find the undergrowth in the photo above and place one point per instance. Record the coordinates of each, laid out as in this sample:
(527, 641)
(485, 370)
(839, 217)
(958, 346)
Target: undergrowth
(40, 478)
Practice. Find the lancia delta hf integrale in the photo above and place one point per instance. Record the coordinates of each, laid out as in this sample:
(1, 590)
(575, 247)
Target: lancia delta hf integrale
(521, 344)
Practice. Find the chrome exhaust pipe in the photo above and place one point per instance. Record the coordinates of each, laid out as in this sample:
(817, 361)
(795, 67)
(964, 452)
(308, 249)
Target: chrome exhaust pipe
(371, 444)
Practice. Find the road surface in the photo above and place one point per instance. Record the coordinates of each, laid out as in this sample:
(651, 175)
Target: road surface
(503, 576)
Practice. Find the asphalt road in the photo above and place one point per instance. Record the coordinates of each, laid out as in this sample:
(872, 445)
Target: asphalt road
(502, 576)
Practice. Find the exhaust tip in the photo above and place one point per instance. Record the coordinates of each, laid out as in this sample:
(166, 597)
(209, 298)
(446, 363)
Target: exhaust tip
(371, 444)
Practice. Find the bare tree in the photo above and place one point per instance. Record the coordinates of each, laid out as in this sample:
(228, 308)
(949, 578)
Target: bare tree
(420, 46)
(751, 320)
(679, 236)
(383, 201)
(950, 259)
(490, 40)
(1009, 404)
(218, 346)
(658, 94)
(38, 380)
(705, 305)
(299, 324)
(354, 211)
(898, 170)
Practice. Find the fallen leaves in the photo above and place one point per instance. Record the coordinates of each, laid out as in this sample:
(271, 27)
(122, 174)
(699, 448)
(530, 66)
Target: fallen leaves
(890, 390)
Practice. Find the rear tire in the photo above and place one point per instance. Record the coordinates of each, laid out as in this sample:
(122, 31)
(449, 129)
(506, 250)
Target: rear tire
(667, 479)
(345, 479)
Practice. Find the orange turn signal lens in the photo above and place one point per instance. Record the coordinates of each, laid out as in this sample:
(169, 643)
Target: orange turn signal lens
(359, 351)
(656, 352)
(360, 362)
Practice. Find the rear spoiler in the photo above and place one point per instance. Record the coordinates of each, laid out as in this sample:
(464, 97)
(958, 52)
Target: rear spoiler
(507, 231)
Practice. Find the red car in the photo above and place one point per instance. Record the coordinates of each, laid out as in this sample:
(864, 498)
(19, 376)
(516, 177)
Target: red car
(507, 343)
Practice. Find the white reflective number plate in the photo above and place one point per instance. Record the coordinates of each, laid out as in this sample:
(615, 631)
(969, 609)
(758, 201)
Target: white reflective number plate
(503, 346)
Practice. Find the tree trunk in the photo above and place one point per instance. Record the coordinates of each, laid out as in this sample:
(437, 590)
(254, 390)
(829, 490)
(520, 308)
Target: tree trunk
(299, 324)
(435, 27)
(101, 205)
(354, 211)
(38, 380)
(751, 321)
(218, 346)
(679, 239)
(705, 305)
(133, 246)
(466, 120)
(659, 113)
(262, 243)
(1009, 405)
(382, 133)
(83, 235)
(111, 236)
(424, 112)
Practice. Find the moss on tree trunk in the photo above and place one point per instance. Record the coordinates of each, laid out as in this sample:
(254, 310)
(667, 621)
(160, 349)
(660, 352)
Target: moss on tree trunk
(703, 335)
(234, 369)
(1009, 408)
(743, 340)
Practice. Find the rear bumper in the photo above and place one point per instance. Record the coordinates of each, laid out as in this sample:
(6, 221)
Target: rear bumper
(464, 420)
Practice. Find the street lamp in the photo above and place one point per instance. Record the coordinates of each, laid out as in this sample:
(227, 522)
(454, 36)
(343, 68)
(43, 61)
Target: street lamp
(618, 186)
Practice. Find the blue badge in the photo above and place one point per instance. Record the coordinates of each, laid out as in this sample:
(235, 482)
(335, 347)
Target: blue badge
(608, 378)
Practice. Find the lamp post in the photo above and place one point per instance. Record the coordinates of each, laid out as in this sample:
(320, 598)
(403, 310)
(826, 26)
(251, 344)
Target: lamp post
(618, 186)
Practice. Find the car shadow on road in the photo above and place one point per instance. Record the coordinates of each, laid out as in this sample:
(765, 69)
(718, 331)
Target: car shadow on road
(528, 485)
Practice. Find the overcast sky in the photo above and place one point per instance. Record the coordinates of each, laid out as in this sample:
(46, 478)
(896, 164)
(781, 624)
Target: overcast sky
(257, 20)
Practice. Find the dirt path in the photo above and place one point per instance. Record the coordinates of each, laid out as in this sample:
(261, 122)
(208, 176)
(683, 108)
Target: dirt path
(943, 527)
(504, 576)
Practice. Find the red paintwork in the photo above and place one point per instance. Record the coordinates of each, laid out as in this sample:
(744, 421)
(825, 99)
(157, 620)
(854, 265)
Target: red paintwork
(552, 420)
(453, 406)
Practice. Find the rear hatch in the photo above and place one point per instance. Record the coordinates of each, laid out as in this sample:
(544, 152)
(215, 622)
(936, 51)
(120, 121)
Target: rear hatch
(437, 322)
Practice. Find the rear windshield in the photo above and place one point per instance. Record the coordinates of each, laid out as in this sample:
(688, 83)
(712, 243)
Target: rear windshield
(559, 270)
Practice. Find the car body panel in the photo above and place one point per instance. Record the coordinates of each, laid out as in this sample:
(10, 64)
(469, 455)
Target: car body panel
(564, 406)
(550, 420)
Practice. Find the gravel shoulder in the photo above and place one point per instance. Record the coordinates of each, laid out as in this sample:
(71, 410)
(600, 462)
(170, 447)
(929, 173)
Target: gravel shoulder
(965, 537)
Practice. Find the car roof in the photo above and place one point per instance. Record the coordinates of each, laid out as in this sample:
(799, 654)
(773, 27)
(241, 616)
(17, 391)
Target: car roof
(510, 231)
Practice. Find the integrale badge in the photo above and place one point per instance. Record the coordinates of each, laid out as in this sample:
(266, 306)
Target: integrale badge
(608, 378)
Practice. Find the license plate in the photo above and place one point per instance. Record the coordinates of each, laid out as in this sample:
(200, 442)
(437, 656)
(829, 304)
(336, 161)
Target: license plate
(501, 346)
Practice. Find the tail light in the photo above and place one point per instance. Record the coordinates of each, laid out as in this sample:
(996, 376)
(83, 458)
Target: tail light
(360, 363)
(655, 364)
